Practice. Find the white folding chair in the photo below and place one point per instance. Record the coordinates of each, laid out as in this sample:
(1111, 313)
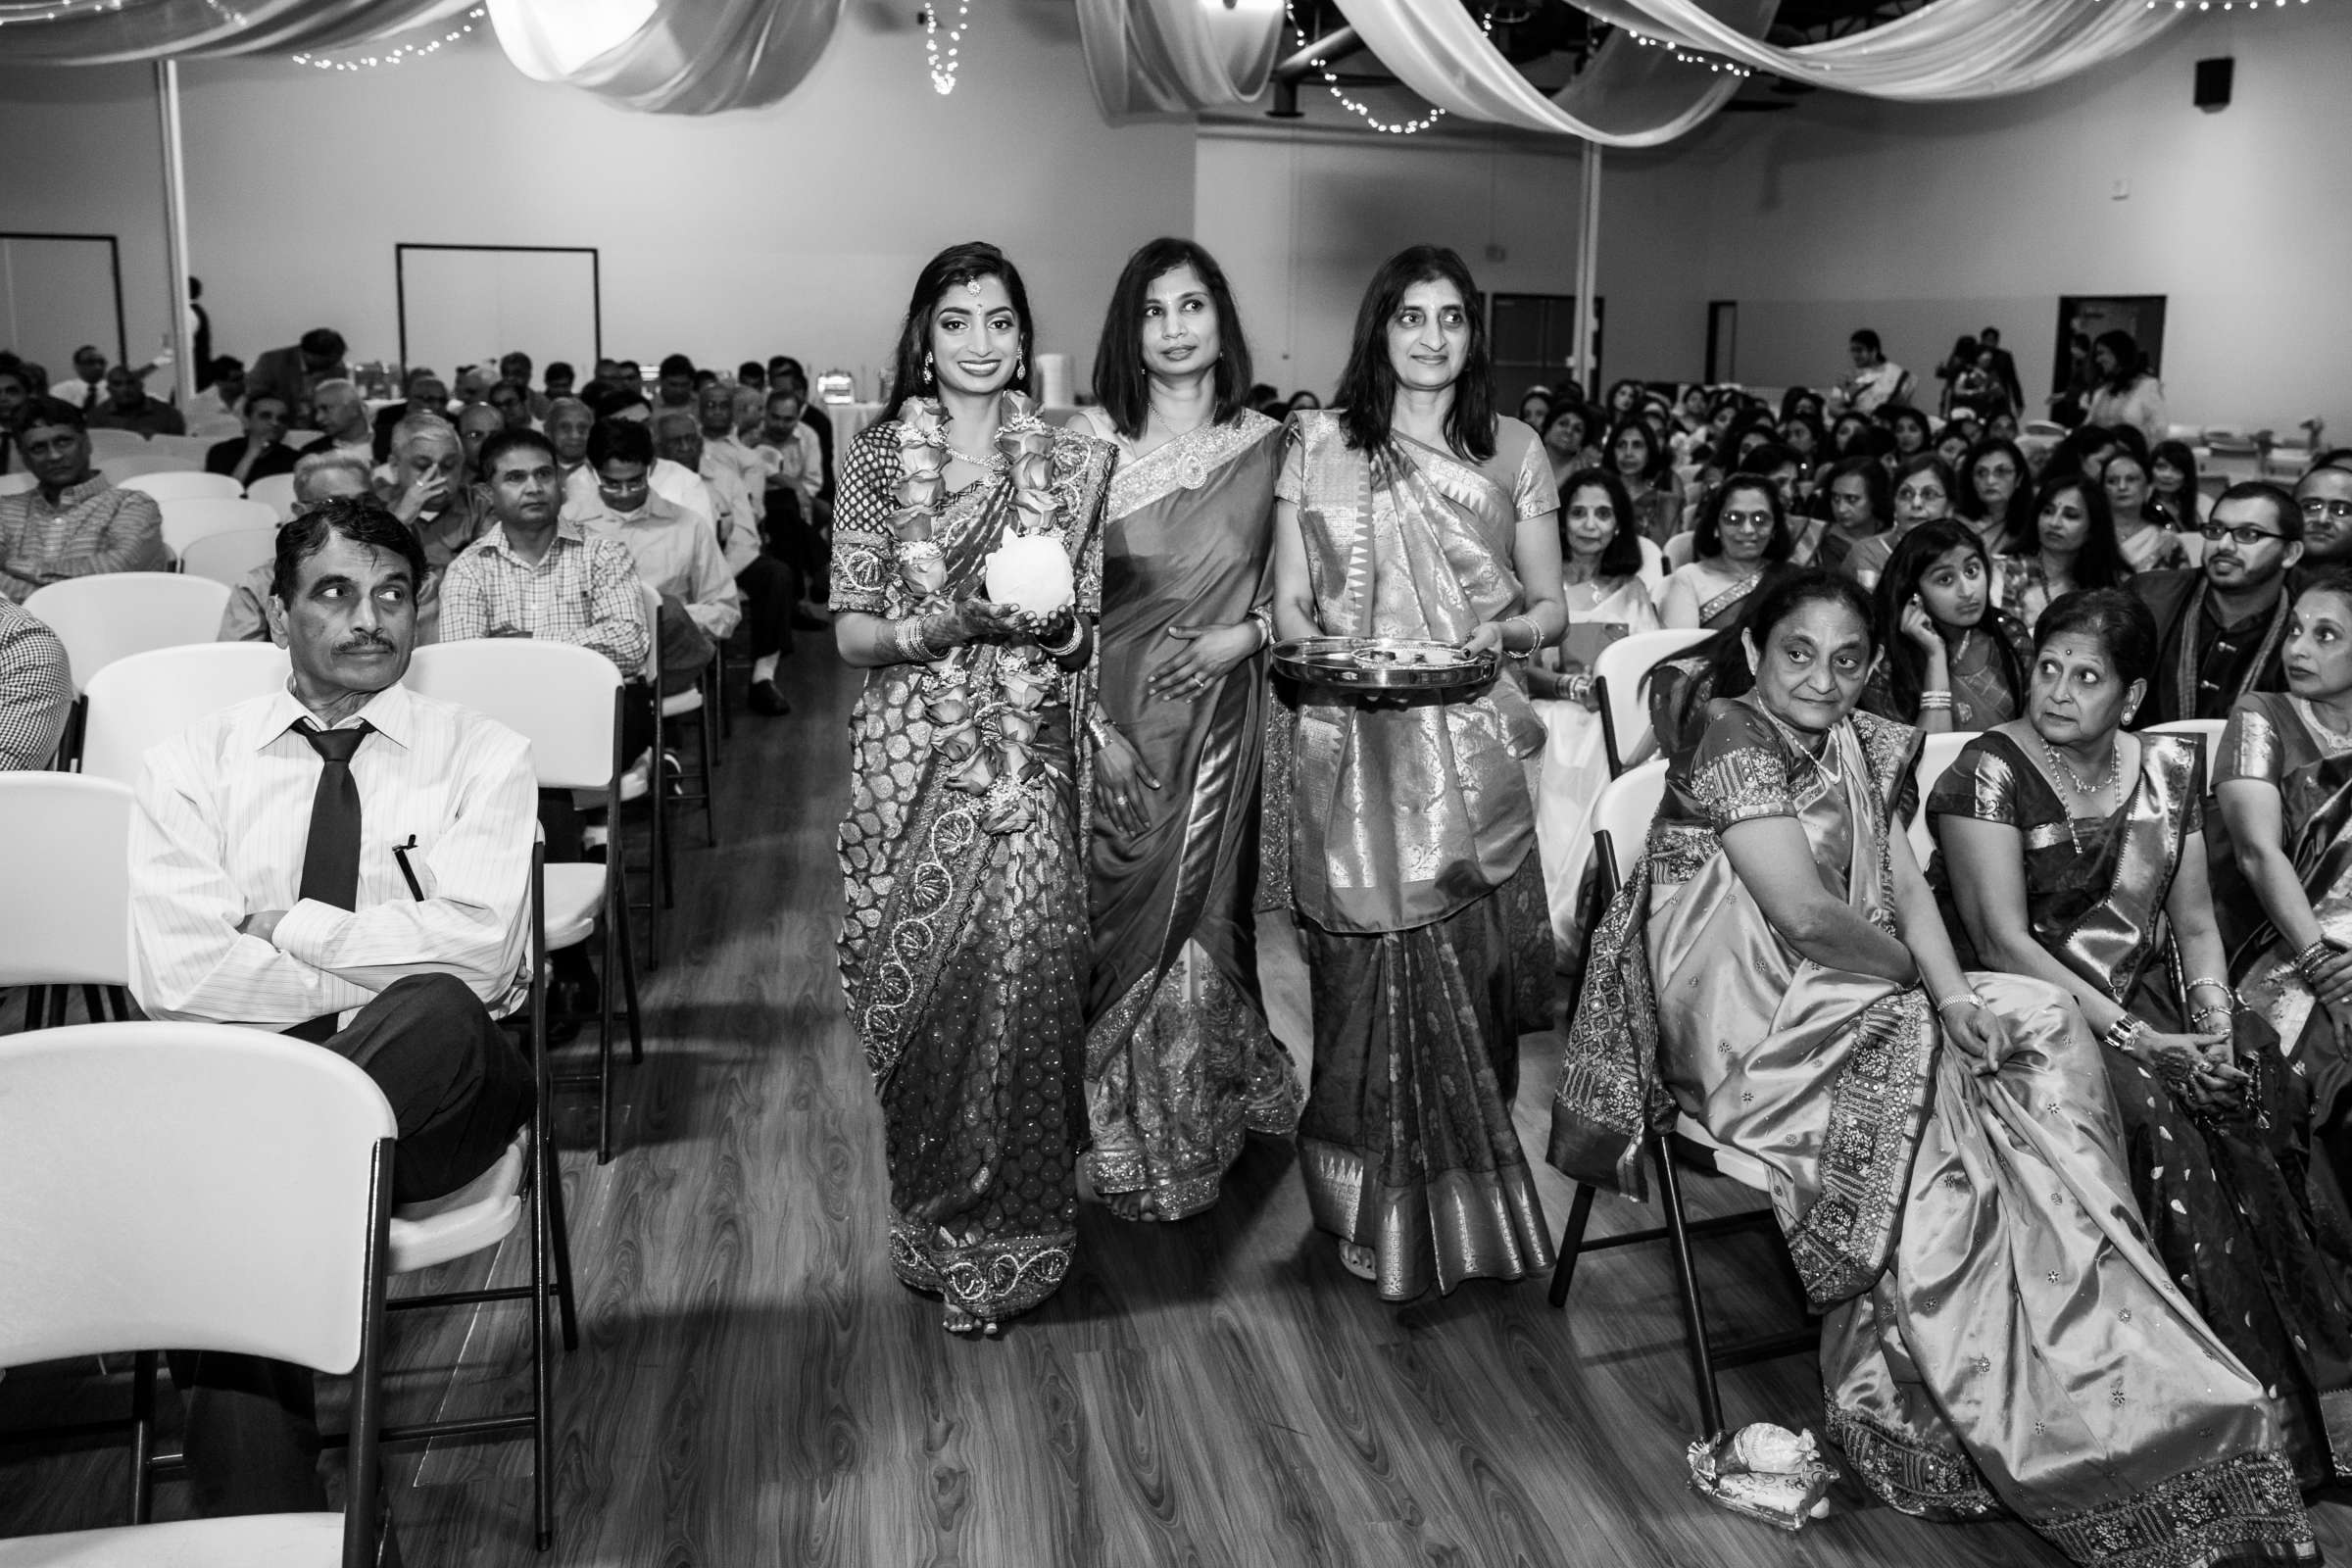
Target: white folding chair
(17, 483)
(276, 491)
(566, 699)
(2208, 730)
(186, 521)
(117, 613)
(130, 464)
(1680, 550)
(135, 703)
(195, 448)
(1935, 756)
(1617, 672)
(77, 931)
(1621, 825)
(205, 1188)
(229, 558)
(108, 442)
(1653, 566)
(177, 485)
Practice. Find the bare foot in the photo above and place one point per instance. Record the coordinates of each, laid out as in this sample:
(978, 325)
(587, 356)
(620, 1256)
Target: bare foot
(961, 1322)
(1358, 1260)
(1129, 1205)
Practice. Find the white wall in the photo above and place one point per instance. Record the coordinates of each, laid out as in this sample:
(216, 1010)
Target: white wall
(795, 230)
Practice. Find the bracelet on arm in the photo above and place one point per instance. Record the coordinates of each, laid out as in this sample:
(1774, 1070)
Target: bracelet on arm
(1535, 635)
(1263, 619)
(909, 640)
(1935, 702)
(2213, 1021)
(2207, 983)
(1101, 729)
(1969, 997)
(2123, 1034)
(2310, 959)
(1076, 642)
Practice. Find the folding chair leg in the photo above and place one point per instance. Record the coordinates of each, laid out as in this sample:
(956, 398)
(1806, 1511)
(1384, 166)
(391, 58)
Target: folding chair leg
(542, 1385)
(1695, 1318)
(1572, 1243)
(616, 942)
(143, 1436)
(559, 1247)
(628, 989)
(710, 775)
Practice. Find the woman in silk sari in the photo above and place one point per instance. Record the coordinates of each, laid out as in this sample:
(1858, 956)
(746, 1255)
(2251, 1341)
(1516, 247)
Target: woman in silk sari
(1179, 1062)
(1415, 511)
(1998, 1336)
(2074, 854)
(1606, 600)
(2068, 547)
(1741, 543)
(2284, 780)
(964, 888)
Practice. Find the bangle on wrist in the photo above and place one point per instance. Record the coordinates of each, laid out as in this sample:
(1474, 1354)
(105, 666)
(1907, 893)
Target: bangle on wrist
(2206, 983)
(2123, 1034)
(1076, 642)
(2309, 959)
(1969, 997)
(1263, 619)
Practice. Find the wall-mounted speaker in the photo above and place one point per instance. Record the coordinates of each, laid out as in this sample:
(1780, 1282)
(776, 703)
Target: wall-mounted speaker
(2214, 77)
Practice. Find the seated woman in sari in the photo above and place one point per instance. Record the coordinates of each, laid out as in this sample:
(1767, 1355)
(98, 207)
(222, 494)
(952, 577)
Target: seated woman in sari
(1606, 600)
(2076, 854)
(1860, 506)
(1742, 541)
(962, 879)
(1945, 1161)
(1644, 466)
(1179, 1062)
(2284, 781)
(1922, 493)
(1953, 661)
(2068, 546)
(1415, 511)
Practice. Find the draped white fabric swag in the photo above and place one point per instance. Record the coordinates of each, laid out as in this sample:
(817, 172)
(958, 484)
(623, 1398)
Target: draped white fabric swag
(1171, 57)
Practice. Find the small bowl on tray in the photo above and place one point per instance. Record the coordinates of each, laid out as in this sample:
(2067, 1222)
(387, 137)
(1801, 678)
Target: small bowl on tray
(1382, 664)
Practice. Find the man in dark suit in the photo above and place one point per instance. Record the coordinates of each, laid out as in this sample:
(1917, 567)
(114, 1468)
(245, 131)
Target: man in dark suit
(2223, 625)
(261, 451)
(295, 372)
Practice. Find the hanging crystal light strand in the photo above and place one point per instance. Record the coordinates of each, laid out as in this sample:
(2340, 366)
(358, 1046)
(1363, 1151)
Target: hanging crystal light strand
(942, 68)
(398, 52)
(1356, 107)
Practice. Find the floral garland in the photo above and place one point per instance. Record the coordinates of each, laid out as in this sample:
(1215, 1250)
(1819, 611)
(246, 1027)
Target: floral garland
(982, 734)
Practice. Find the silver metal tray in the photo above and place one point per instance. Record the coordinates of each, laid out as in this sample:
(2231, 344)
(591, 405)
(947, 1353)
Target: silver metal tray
(1381, 663)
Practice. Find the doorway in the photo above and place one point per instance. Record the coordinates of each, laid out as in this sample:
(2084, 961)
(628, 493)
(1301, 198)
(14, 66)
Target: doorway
(2082, 317)
(1534, 344)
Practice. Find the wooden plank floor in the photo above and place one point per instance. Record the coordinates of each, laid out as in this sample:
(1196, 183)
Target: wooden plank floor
(753, 1389)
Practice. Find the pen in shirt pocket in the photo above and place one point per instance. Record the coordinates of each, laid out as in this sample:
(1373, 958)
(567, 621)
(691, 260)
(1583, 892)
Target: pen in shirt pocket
(408, 872)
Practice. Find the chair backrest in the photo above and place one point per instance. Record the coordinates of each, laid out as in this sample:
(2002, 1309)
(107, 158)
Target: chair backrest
(558, 695)
(1653, 564)
(229, 558)
(130, 464)
(1617, 681)
(169, 484)
(649, 598)
(108, 442)
(191, 1185)
(186, 521)
(117, 613)
(1679, 549)
(150, 697)
(16, 482)
(69, 919)
(275, 491)
(1935, 754)
(1621, 818)
(2207, 730)
(196, 447)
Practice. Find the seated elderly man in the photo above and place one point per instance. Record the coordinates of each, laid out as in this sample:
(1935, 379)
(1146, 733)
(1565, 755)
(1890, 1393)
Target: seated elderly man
(426, 393)
(75, 522)
(426, 487)
(37, 689)
(676, 552)
(321, 477)
(87, 384)
(219, 411)
(261, 451)
(128, 406)
(512, 401)
(299, 371)
(722, 453)
(342, 419)
(346, 863)
(769, 588)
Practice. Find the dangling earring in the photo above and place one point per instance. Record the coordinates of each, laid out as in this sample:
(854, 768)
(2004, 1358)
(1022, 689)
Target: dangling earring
(1020, 368)
(927, 377)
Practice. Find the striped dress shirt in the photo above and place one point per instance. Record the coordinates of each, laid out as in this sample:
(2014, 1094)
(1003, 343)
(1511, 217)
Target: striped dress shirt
(91, 528)
(221, 824)
(582, 591)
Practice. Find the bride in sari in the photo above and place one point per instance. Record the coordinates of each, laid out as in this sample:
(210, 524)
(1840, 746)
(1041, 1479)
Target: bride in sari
(1998, 1336)
(964, 890)
(2284, 781)
(1179, 1062)
(1416, 511)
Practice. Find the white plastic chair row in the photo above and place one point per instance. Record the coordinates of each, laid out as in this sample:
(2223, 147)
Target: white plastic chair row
(113, 615)
(1617, 674)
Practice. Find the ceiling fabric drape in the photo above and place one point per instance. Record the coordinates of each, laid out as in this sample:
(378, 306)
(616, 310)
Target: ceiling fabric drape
(1171, 57)
(86, 33)
(685, 57)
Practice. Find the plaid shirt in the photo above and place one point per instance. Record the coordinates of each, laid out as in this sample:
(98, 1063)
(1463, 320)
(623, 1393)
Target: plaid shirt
(35, 689)
(583, 591)
(91, 528)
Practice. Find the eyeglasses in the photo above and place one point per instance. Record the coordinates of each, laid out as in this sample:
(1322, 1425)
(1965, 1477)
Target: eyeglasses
(2322, 507)
(2247, 538)
(1748, 522)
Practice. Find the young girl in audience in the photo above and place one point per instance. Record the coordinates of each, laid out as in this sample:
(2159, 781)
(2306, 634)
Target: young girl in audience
(1859, 502)
(2285, 782)
(1993, 494)
(2067, 544)
(1844, 432)
(1923, 492)
(1644, 465)
(2141, 532)
(1601, 556)
(1912, 438)
(2173, 487)
(1952, 444)
(1743, 539)
(2074, 854)
(1802, 434)
(1953, 661)
(1941, 1144)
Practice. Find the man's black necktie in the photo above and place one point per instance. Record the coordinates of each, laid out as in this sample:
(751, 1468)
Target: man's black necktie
(330, 856)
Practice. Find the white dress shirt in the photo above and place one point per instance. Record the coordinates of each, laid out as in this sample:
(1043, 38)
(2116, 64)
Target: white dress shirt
(223, 820)
(799, 463)
(739, 508)
(677, 552)
(210, 416)
(726, 456)
(673, 482)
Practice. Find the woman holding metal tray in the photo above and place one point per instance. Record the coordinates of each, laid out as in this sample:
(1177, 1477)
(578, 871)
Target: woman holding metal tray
(1414, 512)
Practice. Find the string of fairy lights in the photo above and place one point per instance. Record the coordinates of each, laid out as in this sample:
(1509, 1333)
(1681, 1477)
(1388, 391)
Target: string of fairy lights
(943, 67)
(397, 54)
(1356, 106)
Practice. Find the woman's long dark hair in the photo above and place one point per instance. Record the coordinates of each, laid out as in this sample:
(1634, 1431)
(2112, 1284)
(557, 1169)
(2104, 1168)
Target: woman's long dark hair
(956, 267)
(2178, 454)
(2130, 364)
(1121, 383)
(1967, 504)
(2100, 561)
(1622, 555)
(1660, 454)
(1906, 665)
(1367, 392)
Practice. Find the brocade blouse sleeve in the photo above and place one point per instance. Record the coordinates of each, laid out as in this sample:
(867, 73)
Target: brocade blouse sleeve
(1289, 479)
(1980, 784)
(2192, 811)
(1533, 493)
(2250, 745)
(864, 550)
(1739, 772)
